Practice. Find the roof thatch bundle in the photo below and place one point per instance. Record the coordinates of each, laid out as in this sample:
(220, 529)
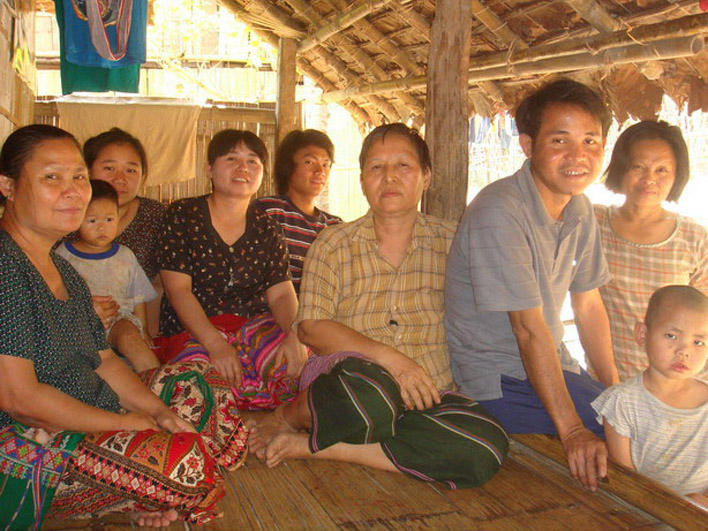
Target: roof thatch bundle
(372, 55)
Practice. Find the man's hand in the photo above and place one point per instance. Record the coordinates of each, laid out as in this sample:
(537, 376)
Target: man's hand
(417, 388)
(292, 351)
(105, 307)
(226, 360)
(587, 456)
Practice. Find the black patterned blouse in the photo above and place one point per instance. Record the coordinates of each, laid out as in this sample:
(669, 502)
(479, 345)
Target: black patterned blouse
(60, 338)
(142, 235)
(225, 279)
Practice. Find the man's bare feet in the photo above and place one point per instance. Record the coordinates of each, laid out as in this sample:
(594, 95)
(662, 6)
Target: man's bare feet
(263, 432)
(155, 518)
(287, 445)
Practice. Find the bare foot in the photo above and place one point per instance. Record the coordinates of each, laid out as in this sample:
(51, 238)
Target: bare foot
(287, 445)
(155, 518)
(261, 433)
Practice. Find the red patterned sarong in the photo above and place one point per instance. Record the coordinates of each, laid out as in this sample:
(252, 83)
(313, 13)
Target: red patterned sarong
(263, 386)
(151, 470)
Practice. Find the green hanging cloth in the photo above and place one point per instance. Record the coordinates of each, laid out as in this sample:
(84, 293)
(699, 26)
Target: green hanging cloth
(76, 78)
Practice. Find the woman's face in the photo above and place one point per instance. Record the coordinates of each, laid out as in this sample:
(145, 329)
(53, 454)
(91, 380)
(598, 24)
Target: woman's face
(119, 165)
(52, 192)
(237, 173)
(392, 178)
(651, 173)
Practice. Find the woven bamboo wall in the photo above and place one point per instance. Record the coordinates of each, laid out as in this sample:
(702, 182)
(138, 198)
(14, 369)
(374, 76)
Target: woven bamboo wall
(16, 65)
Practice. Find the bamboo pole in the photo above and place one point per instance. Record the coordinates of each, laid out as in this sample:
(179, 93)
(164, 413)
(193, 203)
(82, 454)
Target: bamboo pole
(411, 17)
(680, 27)
(634, 53)
(343, 20)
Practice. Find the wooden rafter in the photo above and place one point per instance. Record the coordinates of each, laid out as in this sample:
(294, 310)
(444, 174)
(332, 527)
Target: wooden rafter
(339, 66)
(595, 15)
(411, 17)
(315, 75)
(496, 25)
(262, 12)
(341, 21)
(398, 55)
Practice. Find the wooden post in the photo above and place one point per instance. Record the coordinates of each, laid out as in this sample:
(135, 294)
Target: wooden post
(446, 115)
(287, 78)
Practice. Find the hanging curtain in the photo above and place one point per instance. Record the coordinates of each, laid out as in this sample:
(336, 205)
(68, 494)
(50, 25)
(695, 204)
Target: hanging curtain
(102, 44)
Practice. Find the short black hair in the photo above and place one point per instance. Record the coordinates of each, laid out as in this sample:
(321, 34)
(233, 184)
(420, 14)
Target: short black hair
(19, 146)
(284, 165)
(685, 296)
(103, 190)
(398, 128)
(529, 113)
(227, 139)
(94, 145)
(648, 130)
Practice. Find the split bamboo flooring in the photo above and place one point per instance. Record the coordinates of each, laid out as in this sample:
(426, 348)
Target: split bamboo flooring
(533, 491)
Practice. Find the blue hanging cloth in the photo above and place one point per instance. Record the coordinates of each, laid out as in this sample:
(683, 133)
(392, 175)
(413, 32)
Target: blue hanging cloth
(105, 33)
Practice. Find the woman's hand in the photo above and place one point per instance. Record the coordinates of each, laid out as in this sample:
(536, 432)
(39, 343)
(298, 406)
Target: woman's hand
(169, 421)
(105, 307)
(417, 388)
(137, 421)
(227, 361)
(292, 351)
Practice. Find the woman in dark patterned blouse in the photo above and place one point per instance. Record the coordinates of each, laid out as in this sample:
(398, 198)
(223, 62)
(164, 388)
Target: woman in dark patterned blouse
(60, 380)
(118, 158)
(221, 256)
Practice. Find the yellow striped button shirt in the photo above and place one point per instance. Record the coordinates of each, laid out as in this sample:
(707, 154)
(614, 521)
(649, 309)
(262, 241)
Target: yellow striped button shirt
(346, 280)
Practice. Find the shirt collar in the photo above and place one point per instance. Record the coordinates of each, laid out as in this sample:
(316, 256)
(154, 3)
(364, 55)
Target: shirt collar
(422, 231)
(530, 195)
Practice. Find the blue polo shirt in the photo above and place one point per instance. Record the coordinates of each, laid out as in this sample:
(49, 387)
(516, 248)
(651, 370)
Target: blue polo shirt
(510, 255)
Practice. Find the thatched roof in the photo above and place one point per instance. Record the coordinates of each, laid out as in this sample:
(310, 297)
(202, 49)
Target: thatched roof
(371, 55)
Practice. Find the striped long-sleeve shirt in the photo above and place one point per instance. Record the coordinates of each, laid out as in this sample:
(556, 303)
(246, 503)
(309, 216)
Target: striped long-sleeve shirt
(299, 228)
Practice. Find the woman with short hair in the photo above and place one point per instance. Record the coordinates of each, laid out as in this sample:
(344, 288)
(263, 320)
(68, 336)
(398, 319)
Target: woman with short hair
(224, 267)
(646, 245)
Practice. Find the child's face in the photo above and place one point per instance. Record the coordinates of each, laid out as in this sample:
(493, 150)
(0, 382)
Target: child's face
(100, 225)
(675, 342)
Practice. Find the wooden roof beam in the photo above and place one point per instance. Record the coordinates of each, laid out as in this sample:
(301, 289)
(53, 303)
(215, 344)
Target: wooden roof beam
(290, 27)
(496, 25)
(633, 53)
(411, 17)
(595, 15)
(343, 20)
(325, 84)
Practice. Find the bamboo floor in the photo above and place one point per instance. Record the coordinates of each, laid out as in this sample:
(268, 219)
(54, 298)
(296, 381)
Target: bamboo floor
(532, 491)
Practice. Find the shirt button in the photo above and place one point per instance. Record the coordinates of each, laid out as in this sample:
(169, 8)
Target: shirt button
(231, 249)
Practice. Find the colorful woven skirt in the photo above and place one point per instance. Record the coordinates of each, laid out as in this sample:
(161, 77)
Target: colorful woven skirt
(263, 385)
(150, 470)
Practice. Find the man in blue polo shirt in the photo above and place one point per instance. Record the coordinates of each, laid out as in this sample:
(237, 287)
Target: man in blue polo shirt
(522, 244)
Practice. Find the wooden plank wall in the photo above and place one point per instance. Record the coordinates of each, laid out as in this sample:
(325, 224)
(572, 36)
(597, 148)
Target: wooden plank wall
(257, 119)
(16, 81)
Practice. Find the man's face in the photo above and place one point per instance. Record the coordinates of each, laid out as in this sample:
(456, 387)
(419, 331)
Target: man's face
(311, 171)
(566, 155)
